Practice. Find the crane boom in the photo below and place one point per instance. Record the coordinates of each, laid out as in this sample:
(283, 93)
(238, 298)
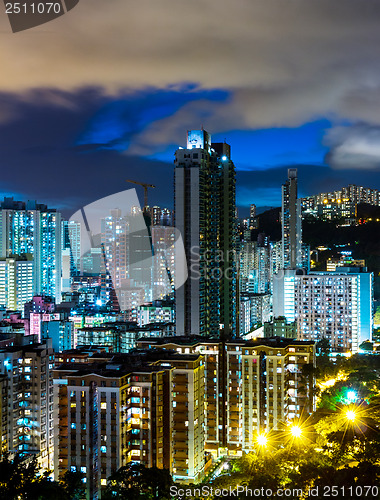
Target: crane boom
(145, 186)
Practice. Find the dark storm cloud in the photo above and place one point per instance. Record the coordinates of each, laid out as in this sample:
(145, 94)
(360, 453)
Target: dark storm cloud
(285, 62)
(70, 148)
(41, 159)
(277, 63)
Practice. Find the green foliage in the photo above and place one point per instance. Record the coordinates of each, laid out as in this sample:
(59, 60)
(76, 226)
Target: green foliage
(137, 482)
(20, 479)
(376, 318)
(73, 485)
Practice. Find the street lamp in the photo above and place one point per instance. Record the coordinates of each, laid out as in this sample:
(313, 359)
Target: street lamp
(262, 439)
(296, 431)
(351, 415)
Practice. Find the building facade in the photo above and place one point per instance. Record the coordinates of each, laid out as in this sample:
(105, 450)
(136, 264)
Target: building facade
(16, 281)
(250, 386)
(29, 390)
(332, 305)
(114, 409)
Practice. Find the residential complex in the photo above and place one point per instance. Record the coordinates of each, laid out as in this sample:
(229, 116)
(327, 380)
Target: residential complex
(148, 368)
(352, 194)
(16, 281)
(250, 386)
(291, 223)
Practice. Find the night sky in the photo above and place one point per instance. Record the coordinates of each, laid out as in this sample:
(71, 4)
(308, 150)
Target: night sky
(107, 92)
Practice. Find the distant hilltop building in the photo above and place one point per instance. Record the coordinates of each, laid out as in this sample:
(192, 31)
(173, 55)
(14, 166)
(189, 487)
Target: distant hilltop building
(340, 203)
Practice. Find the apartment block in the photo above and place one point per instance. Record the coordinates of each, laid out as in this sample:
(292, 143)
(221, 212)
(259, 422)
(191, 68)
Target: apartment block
(332, 305)
(16, 281)
(250, 386)
(29, 391)
(116, 408)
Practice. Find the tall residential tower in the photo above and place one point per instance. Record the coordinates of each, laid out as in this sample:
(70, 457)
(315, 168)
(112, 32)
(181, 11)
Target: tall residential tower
(205, 216)
(291, 223)
(31, 228)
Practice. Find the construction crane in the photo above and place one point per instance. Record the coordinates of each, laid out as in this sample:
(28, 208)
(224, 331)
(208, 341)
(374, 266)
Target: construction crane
(145, 186)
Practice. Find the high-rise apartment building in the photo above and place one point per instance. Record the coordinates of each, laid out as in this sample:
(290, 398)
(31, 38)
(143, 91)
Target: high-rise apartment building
(71, 240)
(29, 372)
(255, 267)
(205, 216)
(3, 415)
(157, 312)
(16, 281)
(291, 223)
(160, 216)
(31, 228)
(163, 242)
(114, 240)
(332, 305)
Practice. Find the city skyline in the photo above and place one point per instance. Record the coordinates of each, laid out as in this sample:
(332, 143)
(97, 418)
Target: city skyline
(189, 249)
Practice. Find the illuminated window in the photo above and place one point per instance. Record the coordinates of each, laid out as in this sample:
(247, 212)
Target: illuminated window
(103, 406)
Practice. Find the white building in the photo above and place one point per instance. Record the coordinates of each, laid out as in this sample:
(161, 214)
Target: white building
(71, 240)
(16, 282)
(332, 305)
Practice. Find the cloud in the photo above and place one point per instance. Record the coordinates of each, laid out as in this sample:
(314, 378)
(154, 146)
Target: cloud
(283, 63)
(356, 147)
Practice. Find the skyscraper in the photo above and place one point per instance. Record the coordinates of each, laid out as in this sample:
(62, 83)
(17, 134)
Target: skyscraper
(291, 223)
(71, 239)
(31, 228)
(205, 216)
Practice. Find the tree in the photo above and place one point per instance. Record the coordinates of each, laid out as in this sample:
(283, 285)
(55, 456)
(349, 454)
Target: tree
(73, 485)
(137, 482)
(20, 479)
